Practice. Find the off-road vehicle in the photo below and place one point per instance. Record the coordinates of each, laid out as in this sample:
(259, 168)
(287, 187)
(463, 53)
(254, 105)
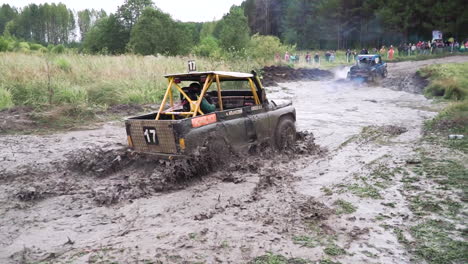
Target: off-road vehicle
(243, 117)
(368, 68)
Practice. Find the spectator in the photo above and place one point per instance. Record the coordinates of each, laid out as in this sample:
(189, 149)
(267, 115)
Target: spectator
(348, 55)
(413, 49)
(317, 58)
(355, 55)
(390, 53)
(364, 51)
(327, 56)
(287, 57)
(308, 57)
(383, 51)
(277, 57)
(400, 49)
(332, 56)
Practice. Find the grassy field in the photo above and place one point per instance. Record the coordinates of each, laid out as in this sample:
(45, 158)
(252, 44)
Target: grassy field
(41, 81)
(449, 82)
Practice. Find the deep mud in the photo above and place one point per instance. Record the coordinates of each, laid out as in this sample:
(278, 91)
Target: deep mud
(340, 195)
(273, 75)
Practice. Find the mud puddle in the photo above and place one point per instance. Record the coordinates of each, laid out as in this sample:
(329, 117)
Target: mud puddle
(82, 196)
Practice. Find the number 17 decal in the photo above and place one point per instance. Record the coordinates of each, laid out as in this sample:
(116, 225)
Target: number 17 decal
(150, 135)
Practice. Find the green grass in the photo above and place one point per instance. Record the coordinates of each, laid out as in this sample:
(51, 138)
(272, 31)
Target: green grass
(447, 80)
(434, 243)
(271, 258)
(334, 250)
(44, 80)
(344, 207)
(328, 261)
(83, 83)
(419, 57)
(307, 241)
(366, 191)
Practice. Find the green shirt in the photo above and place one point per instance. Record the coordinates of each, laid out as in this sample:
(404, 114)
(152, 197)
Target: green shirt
(207, 107)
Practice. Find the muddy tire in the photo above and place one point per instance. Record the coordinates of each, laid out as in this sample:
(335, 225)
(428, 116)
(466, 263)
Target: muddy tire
(384, 74)
(285, 134)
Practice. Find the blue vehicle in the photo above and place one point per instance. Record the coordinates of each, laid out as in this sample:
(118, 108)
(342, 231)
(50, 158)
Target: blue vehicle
(368, 68)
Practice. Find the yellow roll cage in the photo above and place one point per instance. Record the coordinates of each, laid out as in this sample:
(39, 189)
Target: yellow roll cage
(211, 77)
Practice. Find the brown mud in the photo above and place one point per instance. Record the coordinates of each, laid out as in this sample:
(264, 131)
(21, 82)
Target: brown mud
(83, 197)
(272, 75)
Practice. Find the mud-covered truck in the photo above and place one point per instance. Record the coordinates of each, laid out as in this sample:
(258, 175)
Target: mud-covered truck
(202, 108)
(368, 68)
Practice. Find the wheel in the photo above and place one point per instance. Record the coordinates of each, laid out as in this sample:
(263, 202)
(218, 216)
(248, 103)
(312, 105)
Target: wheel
(384, 73)
(373, 77)
(285, 134)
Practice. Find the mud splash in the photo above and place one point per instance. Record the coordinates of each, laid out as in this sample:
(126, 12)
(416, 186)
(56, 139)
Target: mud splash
(112, 175)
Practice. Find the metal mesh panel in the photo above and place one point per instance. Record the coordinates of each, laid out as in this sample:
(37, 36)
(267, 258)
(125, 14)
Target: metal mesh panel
(164, 133)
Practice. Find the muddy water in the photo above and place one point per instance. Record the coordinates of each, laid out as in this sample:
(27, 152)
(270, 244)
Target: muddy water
(336, 110)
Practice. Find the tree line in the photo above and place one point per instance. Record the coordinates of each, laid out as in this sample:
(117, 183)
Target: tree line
(140, 27)
(341, 24)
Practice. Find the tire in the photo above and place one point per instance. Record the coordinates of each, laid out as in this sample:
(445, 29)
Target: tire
(384, 74)
(285, 134)
(373, 77)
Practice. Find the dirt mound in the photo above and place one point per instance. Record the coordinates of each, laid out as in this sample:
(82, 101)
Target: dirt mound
(16, 119)
(275, 74)
(313, 210)
(123, 109)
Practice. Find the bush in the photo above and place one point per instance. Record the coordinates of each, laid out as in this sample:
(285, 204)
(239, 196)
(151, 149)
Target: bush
(22, 47)
(74, 95)
(6, 100)
(447, 80)
(105, 94)
(63, 65)
(59, 49)
(266, 47)
(3, 45)
(208, 47)
(36, 47)
(29, 94)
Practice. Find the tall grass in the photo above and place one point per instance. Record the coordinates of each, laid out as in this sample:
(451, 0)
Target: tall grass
(447, 80)
(44, 80)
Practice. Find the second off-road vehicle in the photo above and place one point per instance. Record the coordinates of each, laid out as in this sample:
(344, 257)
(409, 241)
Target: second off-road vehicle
(368, 68)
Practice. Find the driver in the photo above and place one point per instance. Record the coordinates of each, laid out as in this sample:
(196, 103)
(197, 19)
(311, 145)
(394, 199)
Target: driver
(194, 91)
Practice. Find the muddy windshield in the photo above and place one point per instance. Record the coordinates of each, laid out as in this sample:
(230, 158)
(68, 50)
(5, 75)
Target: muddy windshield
(366, 62)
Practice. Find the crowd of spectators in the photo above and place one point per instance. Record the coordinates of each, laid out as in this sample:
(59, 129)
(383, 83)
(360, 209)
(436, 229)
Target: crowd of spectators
(388, 53)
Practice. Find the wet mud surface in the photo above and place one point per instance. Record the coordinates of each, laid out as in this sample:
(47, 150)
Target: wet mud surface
(273, 75)
(339, 195)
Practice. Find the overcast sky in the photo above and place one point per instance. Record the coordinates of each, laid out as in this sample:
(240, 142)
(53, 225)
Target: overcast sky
(184, 10)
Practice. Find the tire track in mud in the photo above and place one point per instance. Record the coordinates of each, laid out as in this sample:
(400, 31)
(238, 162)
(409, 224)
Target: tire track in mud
(104, 176)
